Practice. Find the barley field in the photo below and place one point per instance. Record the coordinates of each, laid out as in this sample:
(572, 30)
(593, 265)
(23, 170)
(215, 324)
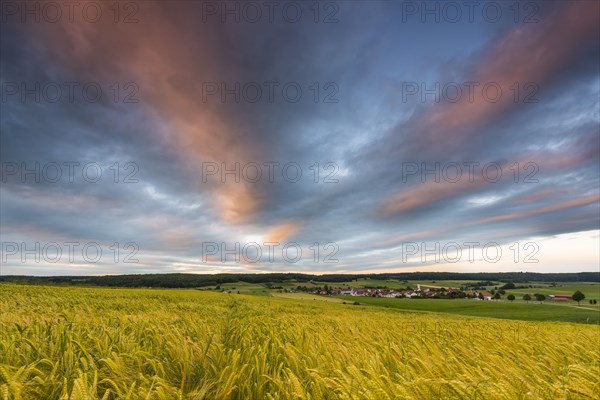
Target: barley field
(99, 343)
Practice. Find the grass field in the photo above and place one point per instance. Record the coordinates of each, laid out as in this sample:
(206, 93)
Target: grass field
(97, 343)
(393, 283)
(360, 283)
(308, 296)
(258, 288)
(591, 290)
(531, 311)
(447, 283)
(243, 287)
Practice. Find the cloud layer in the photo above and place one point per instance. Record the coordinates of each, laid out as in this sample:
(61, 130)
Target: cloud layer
(342, 136)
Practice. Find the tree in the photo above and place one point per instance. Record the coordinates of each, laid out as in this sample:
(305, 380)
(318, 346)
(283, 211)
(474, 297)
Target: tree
(540, 297)
(497, 296)
(578, 296)
(480, 296)
(527, 298)
(511, 297)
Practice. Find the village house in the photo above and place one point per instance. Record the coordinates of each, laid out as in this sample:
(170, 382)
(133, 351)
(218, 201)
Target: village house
(559, 297)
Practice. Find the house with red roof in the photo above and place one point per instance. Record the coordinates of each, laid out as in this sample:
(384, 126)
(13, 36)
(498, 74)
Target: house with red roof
(560, 297)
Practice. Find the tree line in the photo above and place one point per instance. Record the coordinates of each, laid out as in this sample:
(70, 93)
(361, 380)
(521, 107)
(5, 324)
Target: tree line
(179, 280)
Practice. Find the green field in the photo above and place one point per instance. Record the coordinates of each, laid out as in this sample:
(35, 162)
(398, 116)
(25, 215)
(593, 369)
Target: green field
(393, 283)
(591, 290)
(308, 296)
(242, 287)
(80, 343)
(532, 311)
(503, 309)
(360, 283)
(262, 289)
(448, 284)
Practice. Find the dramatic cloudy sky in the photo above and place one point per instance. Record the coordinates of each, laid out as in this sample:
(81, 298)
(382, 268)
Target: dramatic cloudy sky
(165, 93)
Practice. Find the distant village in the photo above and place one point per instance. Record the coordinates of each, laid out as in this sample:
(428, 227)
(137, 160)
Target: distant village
(425, 293)
(429, 293)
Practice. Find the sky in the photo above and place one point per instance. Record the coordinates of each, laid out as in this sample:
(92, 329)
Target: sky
(330, 137)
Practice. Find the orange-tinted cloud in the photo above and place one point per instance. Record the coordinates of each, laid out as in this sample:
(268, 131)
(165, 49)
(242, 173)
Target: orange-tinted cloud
(572, 203)
(538, 195)
(431, 192)
(407, 238)
(170, 65)
(283, 232)
(423, 195)
(237, 202)
(530, 53)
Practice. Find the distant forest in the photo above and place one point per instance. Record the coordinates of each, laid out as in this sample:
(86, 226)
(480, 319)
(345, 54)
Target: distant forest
(202, 280)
